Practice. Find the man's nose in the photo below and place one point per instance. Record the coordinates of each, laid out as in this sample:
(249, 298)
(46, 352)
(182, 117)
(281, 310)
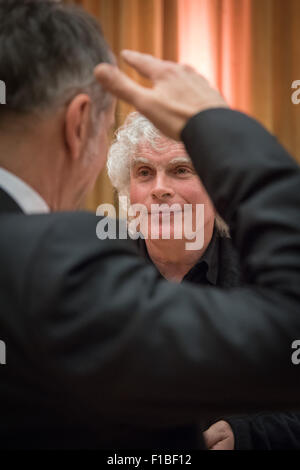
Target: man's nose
(162, 189)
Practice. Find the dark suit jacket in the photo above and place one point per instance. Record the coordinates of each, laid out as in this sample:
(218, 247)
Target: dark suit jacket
(103, 353)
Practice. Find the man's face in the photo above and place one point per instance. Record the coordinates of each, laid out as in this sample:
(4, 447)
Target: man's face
(167, 176)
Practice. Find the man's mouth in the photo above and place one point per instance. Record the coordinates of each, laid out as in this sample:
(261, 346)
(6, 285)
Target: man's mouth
(165, 212)
(166, 209)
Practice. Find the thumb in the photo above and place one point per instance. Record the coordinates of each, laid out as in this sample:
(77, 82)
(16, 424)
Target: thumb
(119, 84)
(211, 437)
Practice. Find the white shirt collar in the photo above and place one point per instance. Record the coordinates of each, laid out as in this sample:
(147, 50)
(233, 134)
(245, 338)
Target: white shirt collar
(23, 194)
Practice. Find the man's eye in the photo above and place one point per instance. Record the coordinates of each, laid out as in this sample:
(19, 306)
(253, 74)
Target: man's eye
(181, 170)
(143, 172)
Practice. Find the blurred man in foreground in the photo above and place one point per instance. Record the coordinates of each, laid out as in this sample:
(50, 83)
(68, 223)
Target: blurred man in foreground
(98, 351)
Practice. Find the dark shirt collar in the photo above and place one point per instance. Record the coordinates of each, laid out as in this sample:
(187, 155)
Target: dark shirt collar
(207, 267)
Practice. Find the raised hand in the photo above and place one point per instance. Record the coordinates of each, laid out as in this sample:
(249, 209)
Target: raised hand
(177, 94)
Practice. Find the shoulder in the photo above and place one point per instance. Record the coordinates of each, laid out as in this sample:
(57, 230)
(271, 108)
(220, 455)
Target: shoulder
(59, 235)
(230, 271)
(38, 224)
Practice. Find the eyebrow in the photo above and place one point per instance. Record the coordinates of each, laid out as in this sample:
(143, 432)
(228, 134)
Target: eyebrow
(180, 160)
(137, 160)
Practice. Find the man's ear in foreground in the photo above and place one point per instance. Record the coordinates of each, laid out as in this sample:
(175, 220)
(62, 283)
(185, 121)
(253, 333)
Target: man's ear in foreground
(77, 125)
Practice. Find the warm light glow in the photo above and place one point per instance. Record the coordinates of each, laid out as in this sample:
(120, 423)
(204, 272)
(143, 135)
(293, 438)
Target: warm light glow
(214, 37)
(196, 37)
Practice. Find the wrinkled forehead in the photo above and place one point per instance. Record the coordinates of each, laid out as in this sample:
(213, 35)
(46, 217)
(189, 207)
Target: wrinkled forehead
(159, 150)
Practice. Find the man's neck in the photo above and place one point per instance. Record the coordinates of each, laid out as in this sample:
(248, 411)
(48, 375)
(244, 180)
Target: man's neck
(34, 161)
(172, 259)
(32, 150)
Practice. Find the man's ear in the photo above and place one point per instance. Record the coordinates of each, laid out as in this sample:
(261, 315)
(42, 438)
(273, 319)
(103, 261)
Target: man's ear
(77, 125)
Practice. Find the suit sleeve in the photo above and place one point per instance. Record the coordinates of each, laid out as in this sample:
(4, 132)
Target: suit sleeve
(128, 344)
(279, 431)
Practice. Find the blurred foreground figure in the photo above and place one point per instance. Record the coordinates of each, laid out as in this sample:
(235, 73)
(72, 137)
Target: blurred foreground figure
(98, 353)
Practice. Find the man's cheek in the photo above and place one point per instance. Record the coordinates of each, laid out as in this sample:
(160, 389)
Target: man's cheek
(136, 195)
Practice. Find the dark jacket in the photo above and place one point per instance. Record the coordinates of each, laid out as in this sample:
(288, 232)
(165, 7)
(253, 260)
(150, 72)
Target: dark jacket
(219, 266)
(100, 351)
(276, 431)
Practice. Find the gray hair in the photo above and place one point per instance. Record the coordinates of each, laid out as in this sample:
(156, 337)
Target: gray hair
(48, 54)
(136, 128)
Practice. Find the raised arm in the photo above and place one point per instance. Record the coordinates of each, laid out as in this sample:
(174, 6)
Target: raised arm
(172, 354)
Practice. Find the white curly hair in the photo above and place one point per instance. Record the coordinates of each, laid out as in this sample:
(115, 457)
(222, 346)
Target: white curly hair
(136, 128)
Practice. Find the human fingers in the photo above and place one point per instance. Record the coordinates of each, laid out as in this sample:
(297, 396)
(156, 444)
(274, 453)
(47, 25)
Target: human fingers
(147, 65)
(119, 84)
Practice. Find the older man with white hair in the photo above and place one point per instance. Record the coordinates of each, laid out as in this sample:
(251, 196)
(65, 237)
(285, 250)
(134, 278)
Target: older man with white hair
(150, 169)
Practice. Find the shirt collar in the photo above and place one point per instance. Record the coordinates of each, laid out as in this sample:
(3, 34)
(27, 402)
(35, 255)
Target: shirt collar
(210, 259)
(23, 194)
(208, 264)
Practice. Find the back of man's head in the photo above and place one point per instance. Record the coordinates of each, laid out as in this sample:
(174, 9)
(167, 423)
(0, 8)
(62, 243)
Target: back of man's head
(48, 53)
